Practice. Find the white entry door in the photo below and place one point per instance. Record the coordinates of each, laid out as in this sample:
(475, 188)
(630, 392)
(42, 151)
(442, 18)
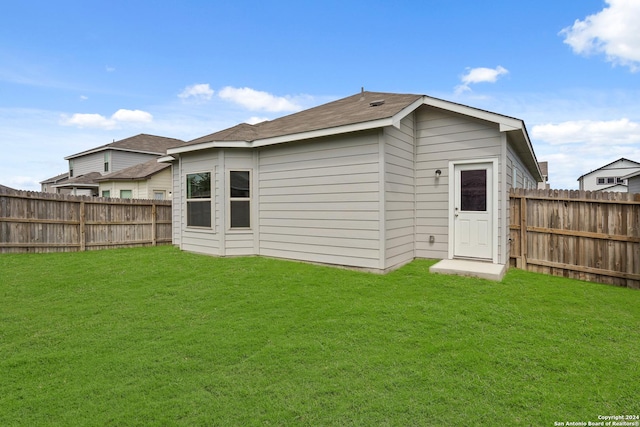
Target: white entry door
(473, 210)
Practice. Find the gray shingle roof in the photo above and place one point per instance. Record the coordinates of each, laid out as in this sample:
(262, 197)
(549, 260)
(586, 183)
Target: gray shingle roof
(90, 178)
(136, 172)
(354, 109)
(142, 143)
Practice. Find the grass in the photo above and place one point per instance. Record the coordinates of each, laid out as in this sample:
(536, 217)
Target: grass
(156, 336)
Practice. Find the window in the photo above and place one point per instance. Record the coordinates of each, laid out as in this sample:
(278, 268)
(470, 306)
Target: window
(158, 194)
(107, 160)
(620, 180)
(473, 190)
(126, 194)
(106, 193)
(611, 180)
(240, 199)
(70, 168)
(199, 199)
(601, 181)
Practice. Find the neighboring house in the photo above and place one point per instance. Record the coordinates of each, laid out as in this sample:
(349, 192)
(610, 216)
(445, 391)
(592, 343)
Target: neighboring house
(48, 185)
(633, 182)
(86, 167)
(6, 189)
(372, 181)
(610, 177)
(148, 180)
(544, 169)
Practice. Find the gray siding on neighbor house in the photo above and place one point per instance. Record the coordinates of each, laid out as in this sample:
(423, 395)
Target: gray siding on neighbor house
(442, 137)
(399, 185)
(193, 239)
(93, 162)
(634, 184)
(320, 200)
(124, 159)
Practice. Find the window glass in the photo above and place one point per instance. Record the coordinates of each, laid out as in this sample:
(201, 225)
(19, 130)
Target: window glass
(198, 199)
(239, 199)
(473, 190)
(126, 194)
(158, 195)
(240, 214)
(106, 193)
(239, 184)
(199, 185)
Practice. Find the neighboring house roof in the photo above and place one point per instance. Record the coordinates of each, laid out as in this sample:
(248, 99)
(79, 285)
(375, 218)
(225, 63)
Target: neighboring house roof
(616, 187)
(86, 180)
(362, 111)
(5, 188)
(622, 159)
(138, 172)
(56, 179)
(142, 143)
(632, 175)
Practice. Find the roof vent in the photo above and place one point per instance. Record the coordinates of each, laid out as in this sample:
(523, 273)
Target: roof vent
(376, 103)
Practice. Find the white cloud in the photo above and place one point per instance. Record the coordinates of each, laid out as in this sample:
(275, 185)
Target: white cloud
(132, 116)
(254, 120)
(480, 75)
(83, 97)
(110, 69)
(102, 122)
(622, 131)
(613, 32)
(201, 92)
(256, 100)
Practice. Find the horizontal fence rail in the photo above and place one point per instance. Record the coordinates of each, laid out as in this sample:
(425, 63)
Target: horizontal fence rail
(47, 222)
(585, 235)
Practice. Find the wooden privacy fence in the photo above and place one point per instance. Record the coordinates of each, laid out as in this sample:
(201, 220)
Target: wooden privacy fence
(585, 235)
(46, 222)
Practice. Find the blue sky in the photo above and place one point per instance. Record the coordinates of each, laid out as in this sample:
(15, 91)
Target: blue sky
(79, 74)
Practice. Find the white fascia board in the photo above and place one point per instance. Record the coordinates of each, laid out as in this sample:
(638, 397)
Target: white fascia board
(506, 123)
(211, 144)
(396, 119)
(355, 127)
(166, 159)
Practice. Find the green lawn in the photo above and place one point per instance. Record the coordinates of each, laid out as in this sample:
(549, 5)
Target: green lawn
(155, 336)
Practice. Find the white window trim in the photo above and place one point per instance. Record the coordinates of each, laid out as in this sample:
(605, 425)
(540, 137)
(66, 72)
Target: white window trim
(210, 199)
(239, 230)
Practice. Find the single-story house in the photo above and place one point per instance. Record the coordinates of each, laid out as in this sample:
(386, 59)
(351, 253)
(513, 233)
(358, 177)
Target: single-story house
(633, 180)
(371, 181)
(148, 180)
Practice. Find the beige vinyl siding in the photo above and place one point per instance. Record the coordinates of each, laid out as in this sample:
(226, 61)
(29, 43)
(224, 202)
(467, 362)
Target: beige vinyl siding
(238, 242)
(319, 200)
(140, 189)
(124, 159)
(443, 137)
(160, 181)
(176, 204)
(399, 193)
(201, 240)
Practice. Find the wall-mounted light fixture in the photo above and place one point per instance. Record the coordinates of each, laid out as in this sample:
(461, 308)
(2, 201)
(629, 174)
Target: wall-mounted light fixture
(438, 173)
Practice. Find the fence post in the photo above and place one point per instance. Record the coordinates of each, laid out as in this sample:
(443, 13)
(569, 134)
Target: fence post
(83, 238)
(523, 231)
(154, 224)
